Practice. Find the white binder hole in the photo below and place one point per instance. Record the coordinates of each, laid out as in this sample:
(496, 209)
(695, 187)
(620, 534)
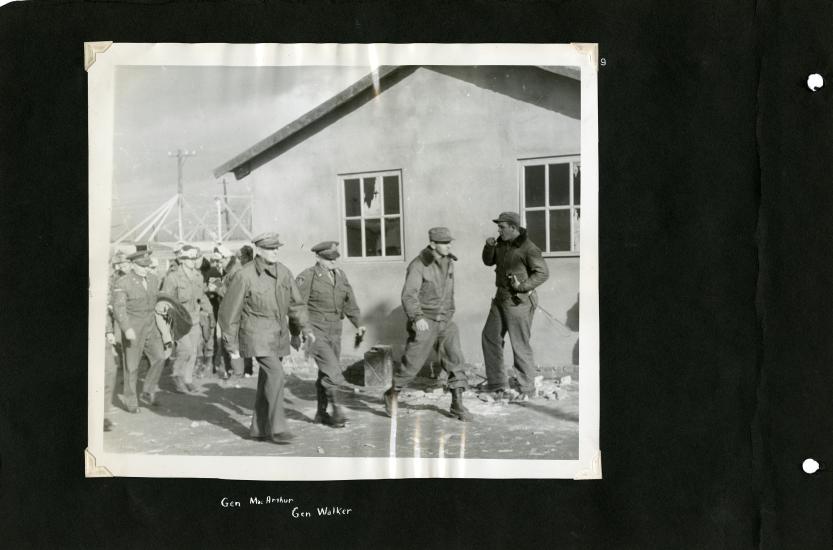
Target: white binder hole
(810, 466)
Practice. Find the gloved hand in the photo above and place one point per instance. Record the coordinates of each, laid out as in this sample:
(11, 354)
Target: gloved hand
(309, 338)
(421, 325)
(130, 334)
(360, 332)
(110, 338)
(491, 241)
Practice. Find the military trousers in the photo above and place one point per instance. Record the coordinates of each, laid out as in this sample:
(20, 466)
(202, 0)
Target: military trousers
(443, 335)
(110, 373)
(327, 352)
(185, 355)
(148, 342)
(508, 317)
(269, 418)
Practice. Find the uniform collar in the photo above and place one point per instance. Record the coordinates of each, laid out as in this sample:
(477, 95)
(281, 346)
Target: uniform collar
(429, 256)
(261, 266)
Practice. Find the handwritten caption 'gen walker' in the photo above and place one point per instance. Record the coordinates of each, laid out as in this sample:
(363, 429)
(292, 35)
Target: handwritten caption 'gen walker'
(296, 512)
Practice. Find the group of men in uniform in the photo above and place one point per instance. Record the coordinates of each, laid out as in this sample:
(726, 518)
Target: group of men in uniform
(265, 310)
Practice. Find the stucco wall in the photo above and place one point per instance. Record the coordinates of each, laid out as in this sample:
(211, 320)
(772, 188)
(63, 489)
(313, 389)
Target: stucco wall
(456, 135)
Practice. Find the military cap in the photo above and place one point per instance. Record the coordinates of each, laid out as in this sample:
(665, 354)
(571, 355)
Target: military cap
(509, 217)
(189, 252)
(327, 250)
(221, 252)
(141, 258)
(268, 240)
(440, 235)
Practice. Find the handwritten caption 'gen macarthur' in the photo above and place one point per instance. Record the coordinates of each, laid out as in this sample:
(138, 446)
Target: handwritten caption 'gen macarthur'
(296, 512)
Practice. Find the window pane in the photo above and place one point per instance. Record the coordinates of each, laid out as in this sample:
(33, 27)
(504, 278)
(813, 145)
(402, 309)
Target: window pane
(352, 199)
(534, 185)
(391, 184)
(559, 184)
(536, 229)
(354, 238)
(371, 205)
(577, 183)
(560, 237)
(576, 229)
(393, 237)
(373, 237)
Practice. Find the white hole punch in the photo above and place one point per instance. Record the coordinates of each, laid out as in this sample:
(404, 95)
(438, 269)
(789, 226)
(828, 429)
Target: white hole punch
(815, 81)
(810, 466)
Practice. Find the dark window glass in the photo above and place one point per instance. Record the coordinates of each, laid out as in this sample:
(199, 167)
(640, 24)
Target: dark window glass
(559, 184)
(560, 237)
(391, 190)
(393, 237)
(577, 184)
(534, 185)
(373, 237)
(354, 238)
(536, 229)
(352, 199)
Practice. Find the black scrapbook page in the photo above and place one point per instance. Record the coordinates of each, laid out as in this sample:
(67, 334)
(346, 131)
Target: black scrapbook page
(712, 172)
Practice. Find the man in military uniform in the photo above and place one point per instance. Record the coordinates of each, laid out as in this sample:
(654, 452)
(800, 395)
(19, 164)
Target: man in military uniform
(120, 267)
(260, 310)
(134, 301)
(240, 366)
(329, 298)
(186, 285)
(519, 269)
(428, 301)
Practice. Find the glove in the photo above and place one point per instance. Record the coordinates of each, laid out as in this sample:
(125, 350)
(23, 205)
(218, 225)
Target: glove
(110, 338)
(422, 325)
(130, 334)
(360, 332)
(309, 338)
(491, 241)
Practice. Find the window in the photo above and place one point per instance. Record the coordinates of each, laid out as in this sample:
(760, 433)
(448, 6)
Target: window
(550, 202)
(372, 215)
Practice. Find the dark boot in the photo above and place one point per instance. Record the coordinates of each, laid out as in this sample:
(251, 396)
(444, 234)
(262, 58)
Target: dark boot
(321, 414)
(338, 418)
(458, 411)
(391, 401)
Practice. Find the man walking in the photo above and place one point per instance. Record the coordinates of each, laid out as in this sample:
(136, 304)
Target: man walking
(519, 270)
(260, 310)
(428, 301)
(329, 298)
(134, 302)
(185, 284)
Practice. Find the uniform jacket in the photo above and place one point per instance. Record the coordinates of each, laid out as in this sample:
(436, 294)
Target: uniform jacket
(328, 299)
(429, 290)
(133, 305)
(261, 309)
(520, 258)
(189, 290)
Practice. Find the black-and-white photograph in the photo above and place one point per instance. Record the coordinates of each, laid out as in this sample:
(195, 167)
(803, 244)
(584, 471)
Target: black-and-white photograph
(343, 261)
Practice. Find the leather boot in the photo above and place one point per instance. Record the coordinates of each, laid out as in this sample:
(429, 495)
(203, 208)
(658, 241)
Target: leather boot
(458, 411)
(338, 418)
(321, 414)
(391, 401)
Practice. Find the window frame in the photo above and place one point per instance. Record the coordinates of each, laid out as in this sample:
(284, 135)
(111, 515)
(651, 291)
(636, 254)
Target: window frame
(546, 208)
(379, 174)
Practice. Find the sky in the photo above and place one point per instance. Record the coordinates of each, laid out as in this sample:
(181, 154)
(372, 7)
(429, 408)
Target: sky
(218, 112)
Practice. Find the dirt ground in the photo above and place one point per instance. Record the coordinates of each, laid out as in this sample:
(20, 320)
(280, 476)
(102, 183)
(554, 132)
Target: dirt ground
(215, 421)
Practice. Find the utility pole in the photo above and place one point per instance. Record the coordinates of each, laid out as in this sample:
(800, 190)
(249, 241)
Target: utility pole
(225, 202)
(180, 161)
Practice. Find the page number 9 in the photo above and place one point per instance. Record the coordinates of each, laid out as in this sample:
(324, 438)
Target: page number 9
(603, 62)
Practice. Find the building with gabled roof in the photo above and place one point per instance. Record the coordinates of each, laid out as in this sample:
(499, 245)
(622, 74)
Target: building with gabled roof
(411, 147)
